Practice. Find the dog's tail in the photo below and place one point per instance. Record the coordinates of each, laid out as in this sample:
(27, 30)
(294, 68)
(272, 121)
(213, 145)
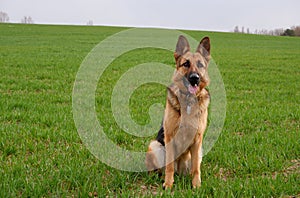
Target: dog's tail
(156, 156)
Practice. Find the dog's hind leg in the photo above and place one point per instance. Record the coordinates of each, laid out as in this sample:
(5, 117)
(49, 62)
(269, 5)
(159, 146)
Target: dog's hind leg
(155, 156)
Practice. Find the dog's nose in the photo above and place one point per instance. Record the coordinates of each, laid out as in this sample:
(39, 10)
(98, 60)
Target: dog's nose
(194, 79)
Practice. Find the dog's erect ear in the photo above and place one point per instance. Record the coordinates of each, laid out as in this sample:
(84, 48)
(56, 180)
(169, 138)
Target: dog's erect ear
(182, 47)
(204, 47)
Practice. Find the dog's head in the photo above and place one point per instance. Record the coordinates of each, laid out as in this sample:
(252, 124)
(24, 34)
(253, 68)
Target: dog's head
(193, 66)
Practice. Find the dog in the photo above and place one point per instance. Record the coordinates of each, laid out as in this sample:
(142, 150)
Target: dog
(178, 145)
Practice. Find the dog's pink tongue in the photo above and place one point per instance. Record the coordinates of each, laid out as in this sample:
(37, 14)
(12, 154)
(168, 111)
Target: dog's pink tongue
(193, 89)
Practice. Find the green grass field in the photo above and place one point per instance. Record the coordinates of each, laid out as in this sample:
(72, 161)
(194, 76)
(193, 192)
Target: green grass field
(41, 154)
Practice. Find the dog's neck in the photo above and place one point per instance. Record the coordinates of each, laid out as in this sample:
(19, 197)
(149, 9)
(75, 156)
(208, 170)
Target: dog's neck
(183, 99)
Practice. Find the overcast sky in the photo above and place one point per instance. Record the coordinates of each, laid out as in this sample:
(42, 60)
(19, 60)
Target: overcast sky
(216, 15)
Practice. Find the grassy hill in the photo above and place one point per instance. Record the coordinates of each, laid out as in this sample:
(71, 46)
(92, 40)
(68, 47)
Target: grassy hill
(41, 154)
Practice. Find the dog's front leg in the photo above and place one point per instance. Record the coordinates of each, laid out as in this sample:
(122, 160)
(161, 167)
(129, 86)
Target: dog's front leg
(196, 162)
(169, 172)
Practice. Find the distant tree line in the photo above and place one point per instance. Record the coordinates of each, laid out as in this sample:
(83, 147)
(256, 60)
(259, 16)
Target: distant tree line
(293, 31)
(27, 20)
(4, 18)
(90, 23)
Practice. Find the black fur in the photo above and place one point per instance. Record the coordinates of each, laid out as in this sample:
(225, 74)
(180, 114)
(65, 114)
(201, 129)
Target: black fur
(161, 135)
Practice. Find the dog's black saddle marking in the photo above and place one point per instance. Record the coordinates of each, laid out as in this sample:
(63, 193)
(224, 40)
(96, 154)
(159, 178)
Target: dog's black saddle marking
(161, 136)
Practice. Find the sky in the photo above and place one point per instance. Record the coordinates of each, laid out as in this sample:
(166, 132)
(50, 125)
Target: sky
(211, 15)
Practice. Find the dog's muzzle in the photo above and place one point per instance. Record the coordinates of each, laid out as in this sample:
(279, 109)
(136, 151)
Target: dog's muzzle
(194, 79)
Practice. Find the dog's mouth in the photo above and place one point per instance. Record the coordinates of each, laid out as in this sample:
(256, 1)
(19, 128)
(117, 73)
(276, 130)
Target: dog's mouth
(193, 89)
(193, 85)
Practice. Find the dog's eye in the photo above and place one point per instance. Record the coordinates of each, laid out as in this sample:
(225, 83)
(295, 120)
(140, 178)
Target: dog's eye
(186, 63)
(199, 64)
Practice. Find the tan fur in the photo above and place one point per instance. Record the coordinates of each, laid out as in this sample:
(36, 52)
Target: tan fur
(156, 156)
(177, 115)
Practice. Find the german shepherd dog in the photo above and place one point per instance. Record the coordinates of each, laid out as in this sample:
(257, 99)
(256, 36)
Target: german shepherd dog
(178, 145)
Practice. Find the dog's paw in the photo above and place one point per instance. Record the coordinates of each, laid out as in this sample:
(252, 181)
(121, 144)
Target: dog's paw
(167, 186)
(196, 183)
